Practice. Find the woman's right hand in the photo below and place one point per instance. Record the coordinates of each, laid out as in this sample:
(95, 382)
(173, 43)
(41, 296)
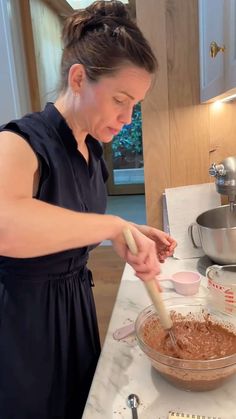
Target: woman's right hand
(145, 264)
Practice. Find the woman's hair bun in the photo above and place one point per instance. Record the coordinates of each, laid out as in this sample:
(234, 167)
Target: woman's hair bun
(92, 17)
(113, 8)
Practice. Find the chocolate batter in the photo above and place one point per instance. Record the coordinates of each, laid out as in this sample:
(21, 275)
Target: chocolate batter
(203, 339)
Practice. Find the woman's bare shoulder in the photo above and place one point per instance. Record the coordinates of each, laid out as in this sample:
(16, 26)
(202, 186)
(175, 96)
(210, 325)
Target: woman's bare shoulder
(10, 141)
(17, 159)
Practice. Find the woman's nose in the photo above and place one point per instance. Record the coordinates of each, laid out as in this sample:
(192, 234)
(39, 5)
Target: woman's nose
(126, 116)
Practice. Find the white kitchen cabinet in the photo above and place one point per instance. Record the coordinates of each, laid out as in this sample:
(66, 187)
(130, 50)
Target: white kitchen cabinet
(230, 42)
(217, 20)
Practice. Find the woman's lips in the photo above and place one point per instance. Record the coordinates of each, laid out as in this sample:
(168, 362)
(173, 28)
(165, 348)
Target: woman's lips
(114, 131)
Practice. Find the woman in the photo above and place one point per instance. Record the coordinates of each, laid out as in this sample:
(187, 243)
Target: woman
(52, 203)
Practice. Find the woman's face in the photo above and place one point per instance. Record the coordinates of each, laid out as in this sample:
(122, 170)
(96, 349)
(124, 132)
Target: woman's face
(104, 107)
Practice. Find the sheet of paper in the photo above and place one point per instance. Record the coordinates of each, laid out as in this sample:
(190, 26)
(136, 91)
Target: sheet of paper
(184, 204)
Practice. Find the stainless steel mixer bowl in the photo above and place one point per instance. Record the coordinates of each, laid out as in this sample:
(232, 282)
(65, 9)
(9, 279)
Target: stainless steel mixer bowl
(217, 231)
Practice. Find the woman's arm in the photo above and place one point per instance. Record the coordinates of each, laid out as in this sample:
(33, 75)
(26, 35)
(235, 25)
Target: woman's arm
(30, 227)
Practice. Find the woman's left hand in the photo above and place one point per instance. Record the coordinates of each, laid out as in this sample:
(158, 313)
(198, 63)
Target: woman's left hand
(165, 244)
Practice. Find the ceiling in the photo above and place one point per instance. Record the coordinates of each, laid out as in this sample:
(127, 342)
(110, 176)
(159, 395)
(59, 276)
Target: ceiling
(81, 4)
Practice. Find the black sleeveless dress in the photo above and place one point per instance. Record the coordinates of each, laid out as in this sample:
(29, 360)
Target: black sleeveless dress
(49, 341)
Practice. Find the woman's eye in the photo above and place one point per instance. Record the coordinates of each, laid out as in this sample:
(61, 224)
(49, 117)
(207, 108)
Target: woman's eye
(119, 101)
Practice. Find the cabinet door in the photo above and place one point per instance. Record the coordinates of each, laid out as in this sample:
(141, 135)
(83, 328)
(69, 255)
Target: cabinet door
(211, 28)
(230, 53)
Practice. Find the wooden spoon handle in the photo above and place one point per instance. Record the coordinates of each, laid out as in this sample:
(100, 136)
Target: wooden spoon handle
(151, 285)
(158, 302)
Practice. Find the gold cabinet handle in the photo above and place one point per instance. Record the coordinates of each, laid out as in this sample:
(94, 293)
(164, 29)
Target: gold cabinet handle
(215, 48)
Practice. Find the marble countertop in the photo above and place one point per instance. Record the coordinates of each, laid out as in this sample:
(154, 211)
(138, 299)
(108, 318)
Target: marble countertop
(124, 369)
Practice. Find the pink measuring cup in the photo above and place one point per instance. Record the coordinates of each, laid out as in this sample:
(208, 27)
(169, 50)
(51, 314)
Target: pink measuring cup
(184, 282)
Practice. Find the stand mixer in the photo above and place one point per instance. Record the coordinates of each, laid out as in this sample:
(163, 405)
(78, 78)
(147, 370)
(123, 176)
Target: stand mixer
(225, 180)
(217, 226)
(225, 174)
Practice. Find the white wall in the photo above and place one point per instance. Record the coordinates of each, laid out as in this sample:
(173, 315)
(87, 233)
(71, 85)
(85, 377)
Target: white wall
(14, 94)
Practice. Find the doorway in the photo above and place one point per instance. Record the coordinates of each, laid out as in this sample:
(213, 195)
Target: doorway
(124, 158)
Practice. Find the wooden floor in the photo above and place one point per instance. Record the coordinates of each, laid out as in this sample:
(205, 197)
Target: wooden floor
(107, 270)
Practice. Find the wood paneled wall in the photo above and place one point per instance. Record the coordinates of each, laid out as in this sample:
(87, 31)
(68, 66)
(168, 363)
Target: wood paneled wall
(181, 137)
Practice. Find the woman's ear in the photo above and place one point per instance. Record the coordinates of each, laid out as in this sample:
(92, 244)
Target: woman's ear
(76, 77)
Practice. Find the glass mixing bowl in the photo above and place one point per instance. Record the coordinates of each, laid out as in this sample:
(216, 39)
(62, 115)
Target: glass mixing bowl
(191, 375)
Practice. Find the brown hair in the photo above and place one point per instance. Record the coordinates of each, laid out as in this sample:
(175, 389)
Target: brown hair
(103, 37)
